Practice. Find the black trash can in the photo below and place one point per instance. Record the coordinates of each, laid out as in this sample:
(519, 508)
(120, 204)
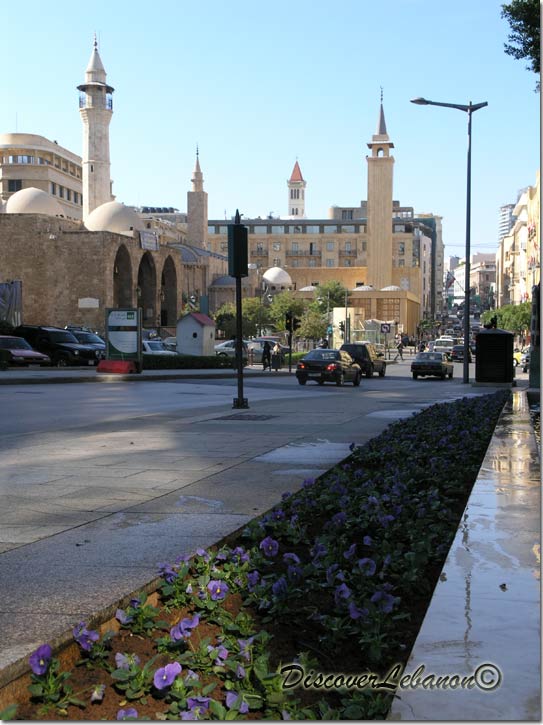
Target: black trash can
(494, 356)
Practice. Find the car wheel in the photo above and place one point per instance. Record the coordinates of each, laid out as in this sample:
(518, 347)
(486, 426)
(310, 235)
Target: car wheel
(302, 381)
(450, 376)
(320, 382)
(341, 380)
(415, 376)
(443, 376)
(369, 372)
(356, 381)
(382, 372)
(222, 354)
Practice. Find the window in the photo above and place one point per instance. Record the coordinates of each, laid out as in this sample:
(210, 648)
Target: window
(224, 246)
(277, 230)
(260, 230)
(259, 247)
(364, 246)
(223, 230)
(312, 229)
(297, 230)
(401, 248)
(76, 197)
(294, 246)
(329, 262)
(69, 194)
(348, 246)
(330, 246)
(330, 229)
(312, 262)
(312, 248)
(347, 229)
(15, 184)
(347, 263)
(211, 230)
(347, 214)
(401, 263)
(61, 192)
(276, 246)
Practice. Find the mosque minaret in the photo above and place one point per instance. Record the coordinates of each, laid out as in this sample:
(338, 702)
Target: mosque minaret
(96, 109)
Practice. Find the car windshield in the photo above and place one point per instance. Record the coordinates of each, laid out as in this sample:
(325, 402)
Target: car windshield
(156, 346)
(429, 356)
(322, 354)
(63, 337)
(88, 337)
(14, 343)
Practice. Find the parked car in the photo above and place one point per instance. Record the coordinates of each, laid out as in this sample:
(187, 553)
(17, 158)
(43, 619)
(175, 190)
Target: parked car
(370, 360)
(170, 343)
(432, 363)
(228, 348)
(332, 366)
(60, 345)
(525, 362)
(457, 353)
(17, 351)
(155, 347)
(90, 338)
(518, 354)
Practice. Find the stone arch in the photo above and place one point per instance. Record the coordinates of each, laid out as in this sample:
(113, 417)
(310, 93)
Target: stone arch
(380, 152)
(146, 290)
(122, 278)
(168, 294)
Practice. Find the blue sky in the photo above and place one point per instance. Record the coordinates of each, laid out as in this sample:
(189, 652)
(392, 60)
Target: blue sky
(257, 85)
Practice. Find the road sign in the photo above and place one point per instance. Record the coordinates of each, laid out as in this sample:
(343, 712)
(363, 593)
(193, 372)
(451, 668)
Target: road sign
(385, 327)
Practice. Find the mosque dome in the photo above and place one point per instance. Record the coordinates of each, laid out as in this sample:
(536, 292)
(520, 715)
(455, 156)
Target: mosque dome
(114, 217)
(309, 288)
(277, 277)
(33, 201)
(363, 288)
(391, 288)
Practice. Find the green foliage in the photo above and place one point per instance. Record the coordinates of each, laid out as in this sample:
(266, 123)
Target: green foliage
(282, 303)
(515, 318)
(313, 325)
(524, 17)
(255, 316)
(187, 362)
(333, 291)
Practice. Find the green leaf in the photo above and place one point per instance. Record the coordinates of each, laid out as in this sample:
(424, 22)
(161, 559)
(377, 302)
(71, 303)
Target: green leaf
(217, 709)
(209, 688)
(8, 713)
(36, 690)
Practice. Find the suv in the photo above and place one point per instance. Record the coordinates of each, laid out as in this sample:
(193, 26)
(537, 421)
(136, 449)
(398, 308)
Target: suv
(365, 354)
(61, 345)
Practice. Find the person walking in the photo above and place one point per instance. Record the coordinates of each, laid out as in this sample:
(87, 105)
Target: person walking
(266, 356)
(399, 348)
(276, 357)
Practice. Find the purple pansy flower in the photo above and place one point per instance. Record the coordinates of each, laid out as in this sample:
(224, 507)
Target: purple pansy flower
(308, 482)
(342, 592)
(234, 701)
(189, 715)
(85, 637)
(294, 573)
(367, 541)
(164, 676)
(191, 676)
(183, 629)
(269, 546)
(278, 515)
(331, 574)
(130, 712)
(340, 518)
(280, 588)
(290, 556)
(39, 659)
(123, 617)
(367, 566)
(350, 551)
(198, 702)
(285, 495)
(244, 645)
(167, 572)
(240, 672)
(253, 577)
(318, 551)
(240, 554)
(188, 590)
(221, 556)
(203, 553)
(218, 589)
(97, 694)
(126, 661)
(355, 612)
(222, 654)
(384, 601)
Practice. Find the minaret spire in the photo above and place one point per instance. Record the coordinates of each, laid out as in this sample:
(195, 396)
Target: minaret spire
(197, 207)
(96, 109)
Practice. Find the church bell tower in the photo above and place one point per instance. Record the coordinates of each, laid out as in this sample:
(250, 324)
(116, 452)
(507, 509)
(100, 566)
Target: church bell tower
(296, 193)
(380, 176)
(96, 109)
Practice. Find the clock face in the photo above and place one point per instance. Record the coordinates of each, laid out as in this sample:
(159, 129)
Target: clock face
(276, 246)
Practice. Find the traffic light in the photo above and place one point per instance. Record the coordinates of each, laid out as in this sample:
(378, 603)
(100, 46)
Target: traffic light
(288, 321)
(342, 326)
(296, 322)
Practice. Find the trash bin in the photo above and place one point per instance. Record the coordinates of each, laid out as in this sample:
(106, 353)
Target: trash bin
(276, 360)
(494, 356)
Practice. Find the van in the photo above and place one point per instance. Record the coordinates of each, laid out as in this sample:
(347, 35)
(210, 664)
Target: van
(445, 344)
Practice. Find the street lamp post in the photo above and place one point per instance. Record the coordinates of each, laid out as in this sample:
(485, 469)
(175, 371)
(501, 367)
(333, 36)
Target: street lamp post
(469, 109)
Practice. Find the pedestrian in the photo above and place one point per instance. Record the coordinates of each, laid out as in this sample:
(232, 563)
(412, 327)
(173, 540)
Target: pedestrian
(422, 346)
(399, 348)
(266, 356)
(276, 356)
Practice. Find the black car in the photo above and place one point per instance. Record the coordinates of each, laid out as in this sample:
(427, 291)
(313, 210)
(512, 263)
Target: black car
(60, 345)
(365, 354)
(457, 353)
(432, 363)
(90, 339)
(332, 366)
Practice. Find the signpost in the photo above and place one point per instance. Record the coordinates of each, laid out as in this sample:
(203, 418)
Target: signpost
(123, 335)
(385, 330)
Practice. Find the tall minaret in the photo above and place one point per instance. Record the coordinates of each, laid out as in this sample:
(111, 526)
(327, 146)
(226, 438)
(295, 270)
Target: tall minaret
(380, 173)
(296, 193)
(197, 208)
(96, 109)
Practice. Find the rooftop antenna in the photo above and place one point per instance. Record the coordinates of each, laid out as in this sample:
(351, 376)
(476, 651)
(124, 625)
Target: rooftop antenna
(381, 94)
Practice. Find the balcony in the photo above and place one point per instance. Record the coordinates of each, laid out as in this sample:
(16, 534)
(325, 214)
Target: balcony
(347, 252)
(303, 253)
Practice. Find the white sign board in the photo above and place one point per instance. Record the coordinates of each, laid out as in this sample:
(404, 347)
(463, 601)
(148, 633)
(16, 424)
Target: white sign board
(123, 333)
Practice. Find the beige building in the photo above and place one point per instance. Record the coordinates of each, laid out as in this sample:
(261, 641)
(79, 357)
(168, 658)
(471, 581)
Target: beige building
(518, 259)
(31, 161)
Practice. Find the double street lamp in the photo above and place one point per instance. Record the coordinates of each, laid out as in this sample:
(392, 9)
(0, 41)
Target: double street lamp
(469, 109)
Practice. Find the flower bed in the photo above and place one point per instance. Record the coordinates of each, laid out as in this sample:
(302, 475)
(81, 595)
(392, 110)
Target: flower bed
(286, 619)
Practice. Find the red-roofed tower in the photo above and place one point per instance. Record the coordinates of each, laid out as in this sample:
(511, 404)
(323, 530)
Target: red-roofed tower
(296, 193)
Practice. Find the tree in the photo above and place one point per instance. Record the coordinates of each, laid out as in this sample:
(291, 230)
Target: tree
(514, 318)
(523, 17)
(313, 325)
(282, 303)
(329, 295)
(254, 316)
